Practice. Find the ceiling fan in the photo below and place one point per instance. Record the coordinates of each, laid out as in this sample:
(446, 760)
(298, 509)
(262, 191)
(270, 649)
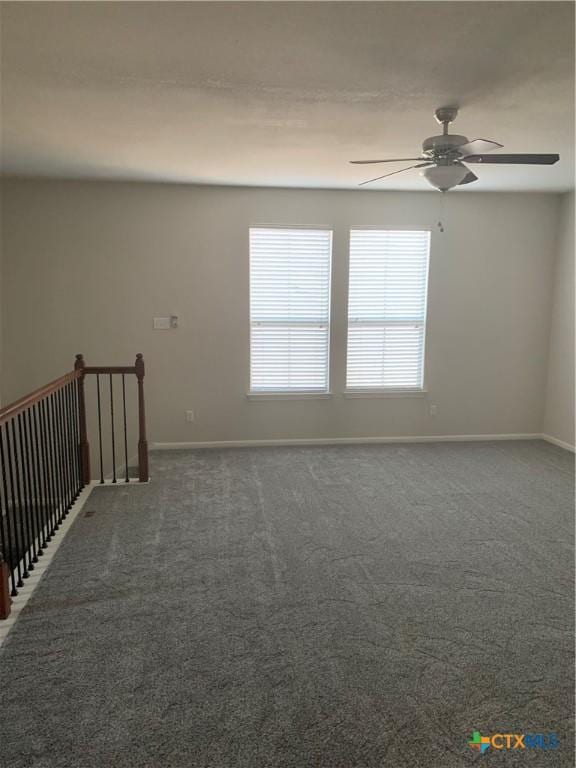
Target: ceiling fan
(444, 156)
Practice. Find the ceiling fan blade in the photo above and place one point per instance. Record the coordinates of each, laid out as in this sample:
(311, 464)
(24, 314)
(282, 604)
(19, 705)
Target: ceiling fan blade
(394, 160)
(469, 178)
(478, 146)
(410, 167)
(514, 159)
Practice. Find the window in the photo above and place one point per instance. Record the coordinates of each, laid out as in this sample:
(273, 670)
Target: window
(289, 309)
(387, 309)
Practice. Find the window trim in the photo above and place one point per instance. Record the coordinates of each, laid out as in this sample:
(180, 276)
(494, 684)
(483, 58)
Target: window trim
(284, 395)
(292, 394)
(359, 394)
(383, 392)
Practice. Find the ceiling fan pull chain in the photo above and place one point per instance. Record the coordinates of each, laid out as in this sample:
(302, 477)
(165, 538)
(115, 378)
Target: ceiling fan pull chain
(441, 214)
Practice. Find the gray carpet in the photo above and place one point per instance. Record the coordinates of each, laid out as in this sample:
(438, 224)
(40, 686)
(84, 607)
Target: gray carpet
(296, 607)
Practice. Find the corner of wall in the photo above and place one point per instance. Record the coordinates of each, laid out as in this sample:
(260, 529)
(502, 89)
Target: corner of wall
(558, 420)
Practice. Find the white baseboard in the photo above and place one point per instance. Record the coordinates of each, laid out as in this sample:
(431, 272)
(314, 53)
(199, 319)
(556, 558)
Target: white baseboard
(339, 441)
(560, 443)
(40, 568)
(120, 482)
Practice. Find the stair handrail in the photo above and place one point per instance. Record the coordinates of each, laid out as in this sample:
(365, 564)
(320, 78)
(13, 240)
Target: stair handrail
(138, 370)
(18, 406)
(45, 464)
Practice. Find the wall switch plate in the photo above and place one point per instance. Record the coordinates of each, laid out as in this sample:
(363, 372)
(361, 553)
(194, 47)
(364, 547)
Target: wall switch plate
(162, 323)
(433, 410)
(189, 415)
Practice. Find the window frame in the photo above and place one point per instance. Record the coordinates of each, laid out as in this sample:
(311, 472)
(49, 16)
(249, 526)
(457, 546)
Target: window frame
(389, 392)
(292, 394)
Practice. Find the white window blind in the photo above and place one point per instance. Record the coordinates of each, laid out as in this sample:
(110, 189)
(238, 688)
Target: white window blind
(387, 309)
(289, 309)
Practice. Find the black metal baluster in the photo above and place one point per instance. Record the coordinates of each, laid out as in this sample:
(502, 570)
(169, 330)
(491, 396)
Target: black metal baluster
(17, 498)
(99, 427)
(53, 433)
(27, 477)
(41, 469)
(36, 508)
(78, 435)
(112, 424)
(23, 485)
(76, 428)
(64, 460)
(13, 563)
(24, 513)
(47, 447)
(125, 427)
(61, 454)
(4, 546)
(53, 462)
(33, 485)
(69, 457)
(70, 443)
(28, 489)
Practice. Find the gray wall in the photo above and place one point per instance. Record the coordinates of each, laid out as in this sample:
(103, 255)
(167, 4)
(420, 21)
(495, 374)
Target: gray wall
(87, 265)
(559, 410)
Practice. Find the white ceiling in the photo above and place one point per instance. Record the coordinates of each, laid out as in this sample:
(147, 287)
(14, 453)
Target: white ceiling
(282, 94)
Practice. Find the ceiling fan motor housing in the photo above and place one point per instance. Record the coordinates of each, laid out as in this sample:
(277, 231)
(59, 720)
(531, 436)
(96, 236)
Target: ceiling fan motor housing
(446, 143)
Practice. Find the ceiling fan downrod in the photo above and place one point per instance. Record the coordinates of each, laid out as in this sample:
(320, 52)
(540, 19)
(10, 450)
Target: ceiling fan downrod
(445, 116)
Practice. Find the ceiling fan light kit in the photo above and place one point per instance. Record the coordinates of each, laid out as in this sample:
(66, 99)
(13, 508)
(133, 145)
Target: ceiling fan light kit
(443, 156)
(444, 177)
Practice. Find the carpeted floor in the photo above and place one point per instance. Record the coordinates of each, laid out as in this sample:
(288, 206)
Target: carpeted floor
(304, 607)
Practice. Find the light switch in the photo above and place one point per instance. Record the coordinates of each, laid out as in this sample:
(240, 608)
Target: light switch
(162, 324)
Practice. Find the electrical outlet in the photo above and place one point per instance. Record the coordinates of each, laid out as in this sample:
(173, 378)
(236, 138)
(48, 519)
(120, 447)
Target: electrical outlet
(433, 410)
(189, 415)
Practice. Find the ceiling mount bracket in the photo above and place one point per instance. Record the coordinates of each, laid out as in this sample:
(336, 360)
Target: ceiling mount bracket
(445, 116)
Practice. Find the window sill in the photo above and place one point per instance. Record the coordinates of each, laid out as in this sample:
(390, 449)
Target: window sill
(289, 395)
(384, 393)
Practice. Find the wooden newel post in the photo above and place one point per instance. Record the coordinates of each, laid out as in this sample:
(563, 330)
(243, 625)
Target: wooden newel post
(84, 447)
(142, 442)
(5, 599)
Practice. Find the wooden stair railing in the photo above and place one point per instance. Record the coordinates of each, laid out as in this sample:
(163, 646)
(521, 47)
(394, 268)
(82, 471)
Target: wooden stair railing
(138, 370)
(45, 464)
